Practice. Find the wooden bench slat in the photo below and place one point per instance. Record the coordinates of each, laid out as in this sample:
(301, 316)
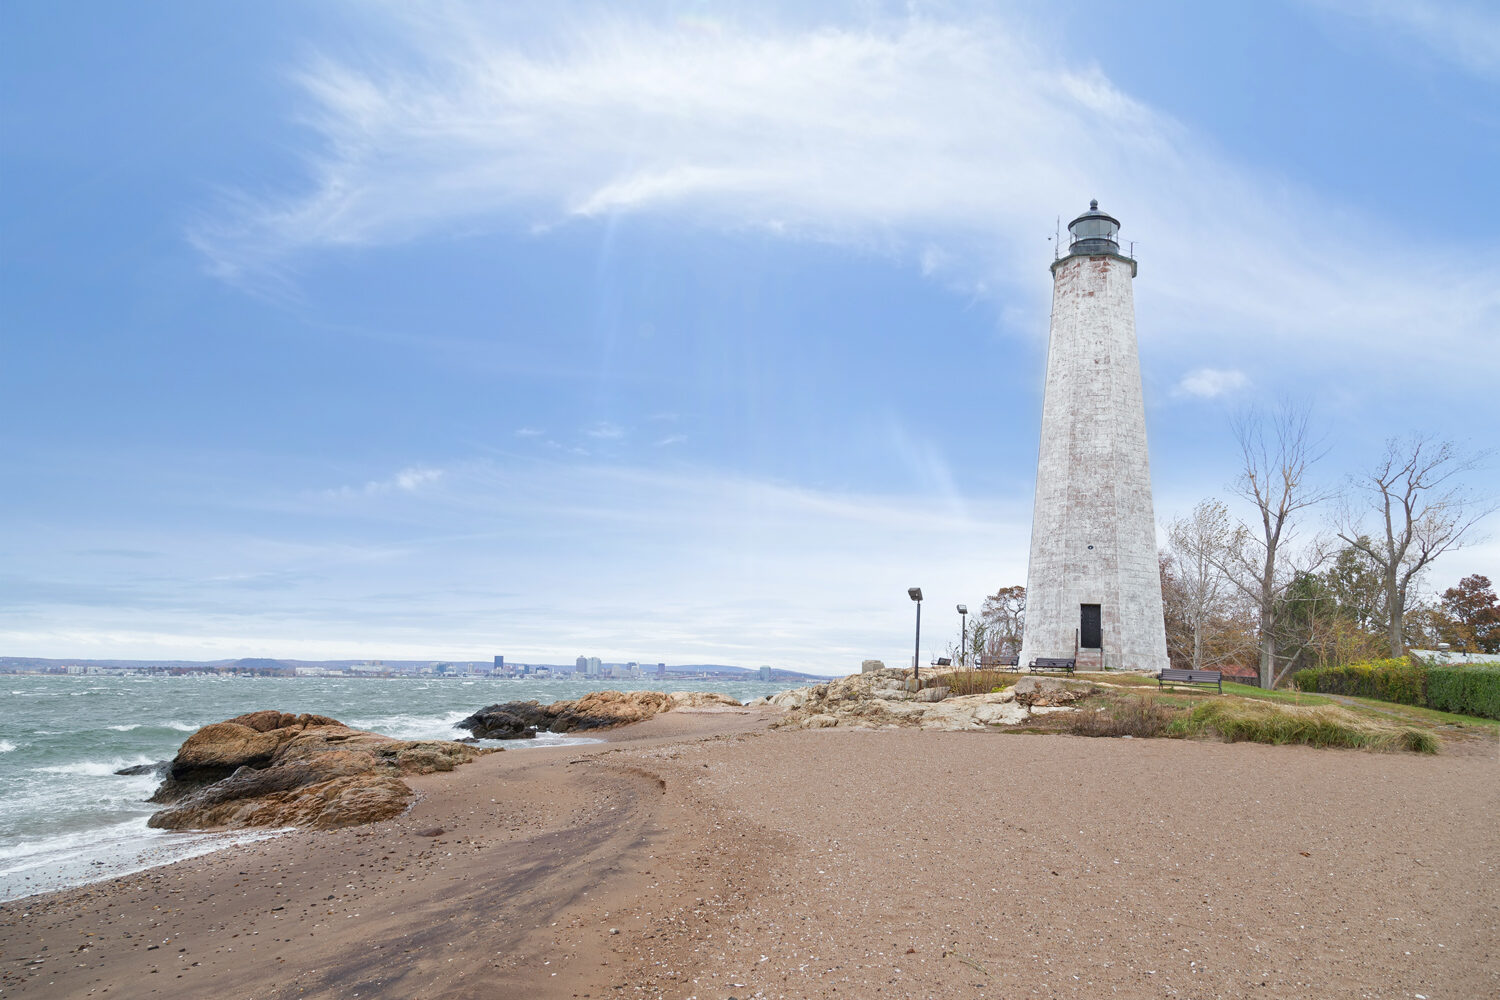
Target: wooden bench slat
(1172, 675)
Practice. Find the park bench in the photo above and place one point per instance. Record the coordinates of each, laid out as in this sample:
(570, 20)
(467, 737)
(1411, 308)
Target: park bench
(1170, 676)
(1052, 663)
(1011, 663)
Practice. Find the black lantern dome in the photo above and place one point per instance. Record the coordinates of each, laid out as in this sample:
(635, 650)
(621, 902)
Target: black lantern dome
(1094, 232)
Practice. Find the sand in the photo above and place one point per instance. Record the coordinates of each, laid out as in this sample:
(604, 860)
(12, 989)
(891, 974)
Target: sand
(702, 855)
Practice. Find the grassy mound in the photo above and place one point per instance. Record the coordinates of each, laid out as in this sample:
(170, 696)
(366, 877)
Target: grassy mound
(1317, 726)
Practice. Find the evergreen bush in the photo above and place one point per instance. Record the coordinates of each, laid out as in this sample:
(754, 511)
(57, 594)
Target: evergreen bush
(1400, 680)
(1467, 690)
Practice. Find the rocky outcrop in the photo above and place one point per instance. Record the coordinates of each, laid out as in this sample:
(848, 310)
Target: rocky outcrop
(276, 769)
(1047, 692)
(883, 698)
(519, 720)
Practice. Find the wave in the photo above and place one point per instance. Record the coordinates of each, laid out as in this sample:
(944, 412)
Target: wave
(181, 727)
(105, 852)
(96, 768)
(6, 746)
(414, 727)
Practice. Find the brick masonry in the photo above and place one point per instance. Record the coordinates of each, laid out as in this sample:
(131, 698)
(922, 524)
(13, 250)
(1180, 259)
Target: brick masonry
(1093, 530)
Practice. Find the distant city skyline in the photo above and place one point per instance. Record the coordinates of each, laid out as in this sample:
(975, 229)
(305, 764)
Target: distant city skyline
(418, 332)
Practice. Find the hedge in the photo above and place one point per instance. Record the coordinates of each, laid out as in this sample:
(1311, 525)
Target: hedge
(1469, 690)
(1462, 689)
(1398, 680)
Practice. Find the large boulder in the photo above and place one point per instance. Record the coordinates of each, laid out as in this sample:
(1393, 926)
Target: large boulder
(515, 720)
(277, 769)
(1047, 692)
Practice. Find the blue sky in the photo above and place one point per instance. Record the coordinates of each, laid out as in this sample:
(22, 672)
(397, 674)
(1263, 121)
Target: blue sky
(682, 331)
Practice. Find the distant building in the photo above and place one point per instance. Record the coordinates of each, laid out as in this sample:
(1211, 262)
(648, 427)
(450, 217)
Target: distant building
(661, 670)
(581, 665)
(499, 664)
(765, 673)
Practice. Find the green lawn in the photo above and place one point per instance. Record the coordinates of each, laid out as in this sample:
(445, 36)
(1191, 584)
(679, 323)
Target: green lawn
(1418, 714)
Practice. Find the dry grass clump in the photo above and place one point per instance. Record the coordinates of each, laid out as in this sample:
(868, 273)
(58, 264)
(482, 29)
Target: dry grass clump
(1319, 726)
(961, 682)
(1144, 717)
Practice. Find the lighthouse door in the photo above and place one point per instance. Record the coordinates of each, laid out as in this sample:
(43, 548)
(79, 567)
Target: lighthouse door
(1090, 627)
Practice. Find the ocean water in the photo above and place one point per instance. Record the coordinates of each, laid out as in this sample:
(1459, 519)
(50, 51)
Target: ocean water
(66, 818)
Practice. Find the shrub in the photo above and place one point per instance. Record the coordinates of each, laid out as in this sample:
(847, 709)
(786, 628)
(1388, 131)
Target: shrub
(1321, 726)
(1399, 680)
(1143, 717)
(1469, 690)
(970, 681)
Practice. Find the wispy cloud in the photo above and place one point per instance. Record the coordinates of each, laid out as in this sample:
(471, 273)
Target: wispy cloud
(605, 431)
(528, 432)
(1209, 383)
(1466, 35)
(408, 480)
(670, 440)
(951, 143)
(558, 558)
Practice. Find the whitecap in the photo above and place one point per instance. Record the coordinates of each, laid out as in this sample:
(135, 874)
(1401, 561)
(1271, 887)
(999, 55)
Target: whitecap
(95, 768)
(124, 729)
(6, 746)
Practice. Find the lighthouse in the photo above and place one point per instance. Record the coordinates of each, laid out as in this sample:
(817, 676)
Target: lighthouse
(1093, 586)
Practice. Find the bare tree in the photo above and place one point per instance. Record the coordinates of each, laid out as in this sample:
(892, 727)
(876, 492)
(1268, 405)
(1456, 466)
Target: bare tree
(1278, 457)
(1199, 543)
(1421, 512)
(1004, 617)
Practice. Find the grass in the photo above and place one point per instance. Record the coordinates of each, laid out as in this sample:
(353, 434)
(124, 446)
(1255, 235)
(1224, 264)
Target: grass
(1432, 716)
(961, 682)
(1126, 715)
(1287, 697)
(1317, 726)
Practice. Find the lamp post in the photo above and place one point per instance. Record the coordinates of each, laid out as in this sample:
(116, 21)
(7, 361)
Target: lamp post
(963, 634)
(915, 593)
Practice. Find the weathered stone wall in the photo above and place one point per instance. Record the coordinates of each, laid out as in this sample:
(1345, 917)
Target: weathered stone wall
(1093, 533)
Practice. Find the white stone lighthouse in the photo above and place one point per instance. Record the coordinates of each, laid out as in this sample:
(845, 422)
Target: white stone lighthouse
(1093, 588)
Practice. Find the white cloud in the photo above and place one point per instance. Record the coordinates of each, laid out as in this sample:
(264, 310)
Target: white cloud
(528, 432)
(542, 560)
(670, 440)
(605, 431)
(1464, 34)
(408, 480)
(952, 143)
(1209, 383)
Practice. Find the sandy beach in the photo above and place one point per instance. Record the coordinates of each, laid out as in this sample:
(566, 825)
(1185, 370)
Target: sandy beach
(701, 854)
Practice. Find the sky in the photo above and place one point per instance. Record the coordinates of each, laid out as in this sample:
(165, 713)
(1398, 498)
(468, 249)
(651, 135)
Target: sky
(685, 331)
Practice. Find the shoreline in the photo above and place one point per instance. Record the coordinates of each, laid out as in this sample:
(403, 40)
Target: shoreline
(702, 854)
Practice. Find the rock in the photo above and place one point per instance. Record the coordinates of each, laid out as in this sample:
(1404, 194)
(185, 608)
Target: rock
(431, 831)
(880, 699)
(1037, 692)
(276, 769)
(596, 710)
(159, 768)
(870, 666)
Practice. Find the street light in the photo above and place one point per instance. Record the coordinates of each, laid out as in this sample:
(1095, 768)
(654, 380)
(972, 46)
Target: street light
(963, 635)
(915, 593)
